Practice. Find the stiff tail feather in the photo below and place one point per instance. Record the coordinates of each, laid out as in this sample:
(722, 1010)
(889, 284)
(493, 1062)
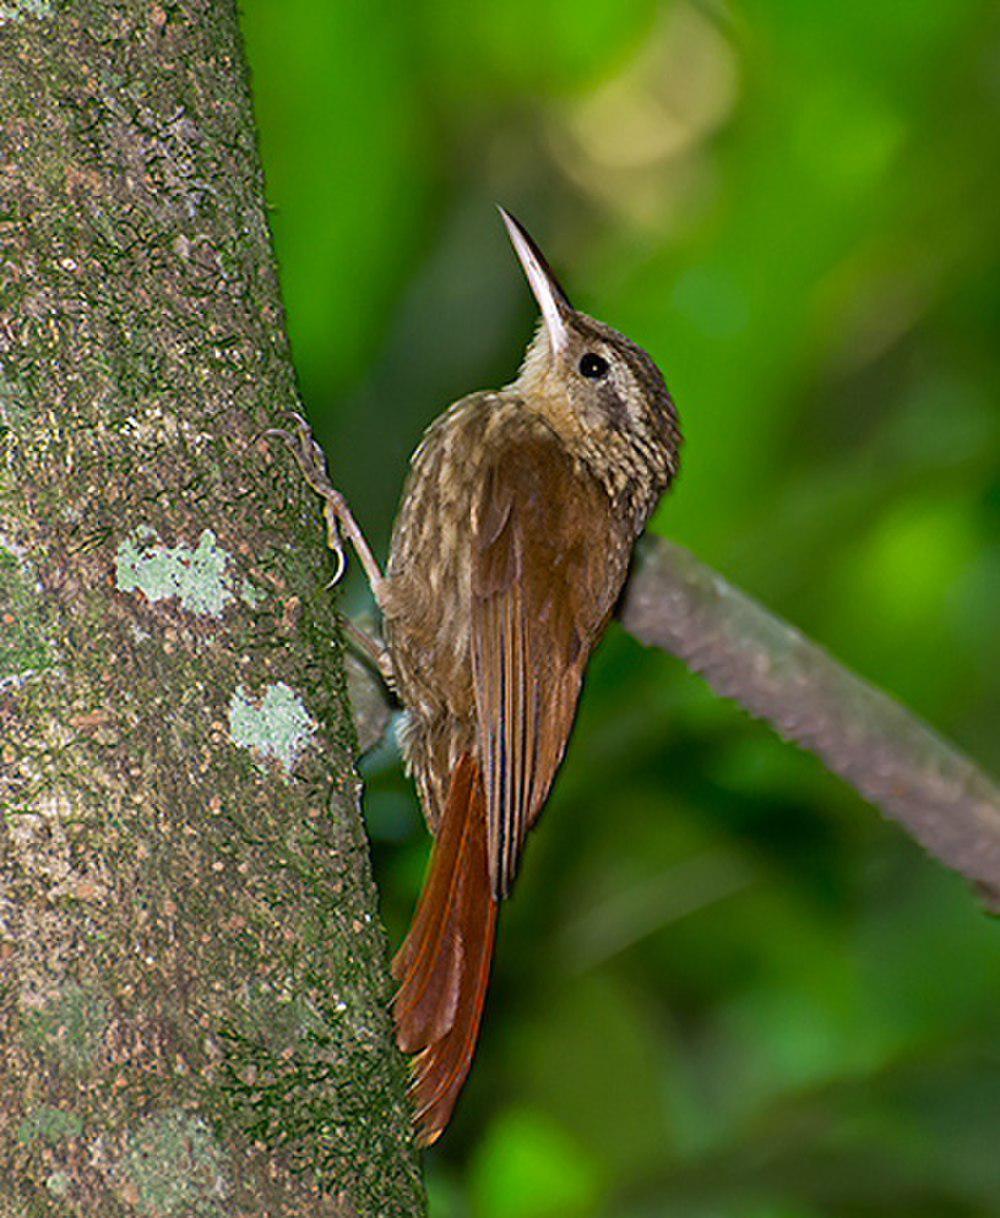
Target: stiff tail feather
(444, 965)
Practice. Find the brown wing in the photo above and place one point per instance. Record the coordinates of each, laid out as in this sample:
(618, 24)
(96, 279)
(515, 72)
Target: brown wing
(547, 568)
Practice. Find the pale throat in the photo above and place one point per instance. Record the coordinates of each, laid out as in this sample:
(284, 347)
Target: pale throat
(541, 386)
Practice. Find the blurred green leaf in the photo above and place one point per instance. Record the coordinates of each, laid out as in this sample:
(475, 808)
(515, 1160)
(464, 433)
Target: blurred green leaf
(793, 206)
(530, 46)
(529, 1167)
(343, 147)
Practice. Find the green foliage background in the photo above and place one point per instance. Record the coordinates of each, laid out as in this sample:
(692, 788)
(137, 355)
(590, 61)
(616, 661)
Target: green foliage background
(726, 988)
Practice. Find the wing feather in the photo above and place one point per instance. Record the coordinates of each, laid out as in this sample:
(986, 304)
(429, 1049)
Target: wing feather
(547, 569)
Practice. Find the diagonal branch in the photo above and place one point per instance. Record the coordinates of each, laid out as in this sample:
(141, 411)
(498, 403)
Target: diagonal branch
(897, 762)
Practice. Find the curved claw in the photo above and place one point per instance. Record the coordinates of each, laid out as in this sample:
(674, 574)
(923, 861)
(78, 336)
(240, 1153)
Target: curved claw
(341, 570)
(312, 462)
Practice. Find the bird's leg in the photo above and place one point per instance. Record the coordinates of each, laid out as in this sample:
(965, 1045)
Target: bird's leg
(373, 648)
(337, 514)
(339, 519)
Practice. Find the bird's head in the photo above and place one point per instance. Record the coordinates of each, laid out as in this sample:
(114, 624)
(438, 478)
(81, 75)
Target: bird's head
(599, 390)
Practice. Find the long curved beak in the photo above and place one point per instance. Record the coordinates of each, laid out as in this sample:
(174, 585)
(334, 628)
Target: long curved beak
(552, 300)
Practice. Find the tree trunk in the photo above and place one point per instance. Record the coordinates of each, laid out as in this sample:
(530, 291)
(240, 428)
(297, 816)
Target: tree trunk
(193, 980)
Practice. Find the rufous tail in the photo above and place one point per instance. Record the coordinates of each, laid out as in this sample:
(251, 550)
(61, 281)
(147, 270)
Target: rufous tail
(444, 964)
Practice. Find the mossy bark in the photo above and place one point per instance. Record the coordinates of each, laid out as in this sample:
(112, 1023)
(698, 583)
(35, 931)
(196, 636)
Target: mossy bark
(193, 980)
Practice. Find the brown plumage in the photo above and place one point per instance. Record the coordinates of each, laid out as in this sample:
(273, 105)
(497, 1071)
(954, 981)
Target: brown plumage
(509, 552)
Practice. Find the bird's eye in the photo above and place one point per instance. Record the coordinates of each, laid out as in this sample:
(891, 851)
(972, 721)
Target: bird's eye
(593, 366)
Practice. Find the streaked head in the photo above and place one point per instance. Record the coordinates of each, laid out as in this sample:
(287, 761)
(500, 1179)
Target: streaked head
(593, 383)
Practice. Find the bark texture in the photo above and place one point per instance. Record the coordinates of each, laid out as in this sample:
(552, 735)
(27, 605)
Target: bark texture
(193, 981)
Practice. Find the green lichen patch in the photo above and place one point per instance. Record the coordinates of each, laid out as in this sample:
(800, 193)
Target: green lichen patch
(280, 1021)
(13, 412)
(251, 595)
(279, 726)
(21, 10)
(201, 578)
(58, 1183)
(24, 648)
(50, 1125)
(174, 1166)
(69, 1030)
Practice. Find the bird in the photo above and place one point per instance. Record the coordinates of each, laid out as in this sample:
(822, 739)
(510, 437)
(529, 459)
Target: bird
(510, 549)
